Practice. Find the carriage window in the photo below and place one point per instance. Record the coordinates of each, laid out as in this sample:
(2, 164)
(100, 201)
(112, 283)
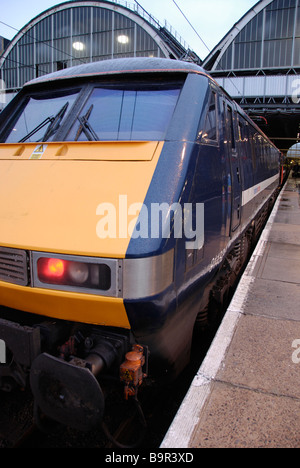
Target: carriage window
(125, 114)
(210, 131)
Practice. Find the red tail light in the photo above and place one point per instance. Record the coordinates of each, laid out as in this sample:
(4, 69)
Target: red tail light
(51, 270)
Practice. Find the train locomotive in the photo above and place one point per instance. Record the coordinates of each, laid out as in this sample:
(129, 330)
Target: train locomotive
(131, 193)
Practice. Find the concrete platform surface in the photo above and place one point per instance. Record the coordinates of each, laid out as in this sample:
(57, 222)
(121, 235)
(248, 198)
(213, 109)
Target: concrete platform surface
(246, 393)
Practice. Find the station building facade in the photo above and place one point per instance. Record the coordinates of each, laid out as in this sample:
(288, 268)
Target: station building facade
(83, 31)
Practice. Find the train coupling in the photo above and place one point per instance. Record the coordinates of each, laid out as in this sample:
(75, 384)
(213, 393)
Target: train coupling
(66, 387)
(70, 369)
(132, 370)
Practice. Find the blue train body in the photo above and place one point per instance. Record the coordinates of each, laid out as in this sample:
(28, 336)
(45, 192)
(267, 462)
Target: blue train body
(216, 156)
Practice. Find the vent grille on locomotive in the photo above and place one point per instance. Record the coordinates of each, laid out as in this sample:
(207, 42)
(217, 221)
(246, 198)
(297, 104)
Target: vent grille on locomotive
(13, 266)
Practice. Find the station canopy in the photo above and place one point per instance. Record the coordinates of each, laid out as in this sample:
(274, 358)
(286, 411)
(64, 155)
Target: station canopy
(258, 63)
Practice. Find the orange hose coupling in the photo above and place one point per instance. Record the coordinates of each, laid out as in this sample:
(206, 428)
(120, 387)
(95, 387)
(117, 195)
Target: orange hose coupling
(131, 370)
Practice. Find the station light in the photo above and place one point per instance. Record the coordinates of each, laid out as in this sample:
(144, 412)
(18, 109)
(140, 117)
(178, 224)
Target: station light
(123, 39)
(79, 46)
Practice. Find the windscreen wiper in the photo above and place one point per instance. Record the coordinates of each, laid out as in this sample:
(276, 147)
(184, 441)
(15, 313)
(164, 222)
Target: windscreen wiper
(36, 129)
(52, 128)
(55, 124)
(86, 127)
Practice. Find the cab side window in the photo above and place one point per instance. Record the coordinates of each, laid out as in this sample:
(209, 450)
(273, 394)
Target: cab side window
(210, 130)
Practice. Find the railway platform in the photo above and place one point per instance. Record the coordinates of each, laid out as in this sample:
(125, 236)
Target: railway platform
(246, 393)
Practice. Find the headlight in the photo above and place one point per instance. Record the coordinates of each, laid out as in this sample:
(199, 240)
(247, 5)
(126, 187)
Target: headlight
(78, 272)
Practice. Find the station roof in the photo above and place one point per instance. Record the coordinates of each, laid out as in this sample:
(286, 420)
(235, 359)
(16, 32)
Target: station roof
(267, 37)
(294, 151)
(82, 31)
(258, 63)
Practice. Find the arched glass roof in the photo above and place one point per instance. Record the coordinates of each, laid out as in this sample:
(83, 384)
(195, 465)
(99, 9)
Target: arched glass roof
(267, 37)
(294, 151)
(84, 31)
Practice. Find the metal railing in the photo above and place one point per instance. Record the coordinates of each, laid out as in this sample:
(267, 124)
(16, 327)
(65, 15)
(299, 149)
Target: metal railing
(152, 20)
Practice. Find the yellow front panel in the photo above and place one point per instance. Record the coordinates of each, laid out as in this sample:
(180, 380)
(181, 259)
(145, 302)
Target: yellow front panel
(49, 204)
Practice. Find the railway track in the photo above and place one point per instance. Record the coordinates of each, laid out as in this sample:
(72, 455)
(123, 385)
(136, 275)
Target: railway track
(19, 433)
(15, 417)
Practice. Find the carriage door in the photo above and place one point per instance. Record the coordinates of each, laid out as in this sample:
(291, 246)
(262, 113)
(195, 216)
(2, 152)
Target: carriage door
(236, 189)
